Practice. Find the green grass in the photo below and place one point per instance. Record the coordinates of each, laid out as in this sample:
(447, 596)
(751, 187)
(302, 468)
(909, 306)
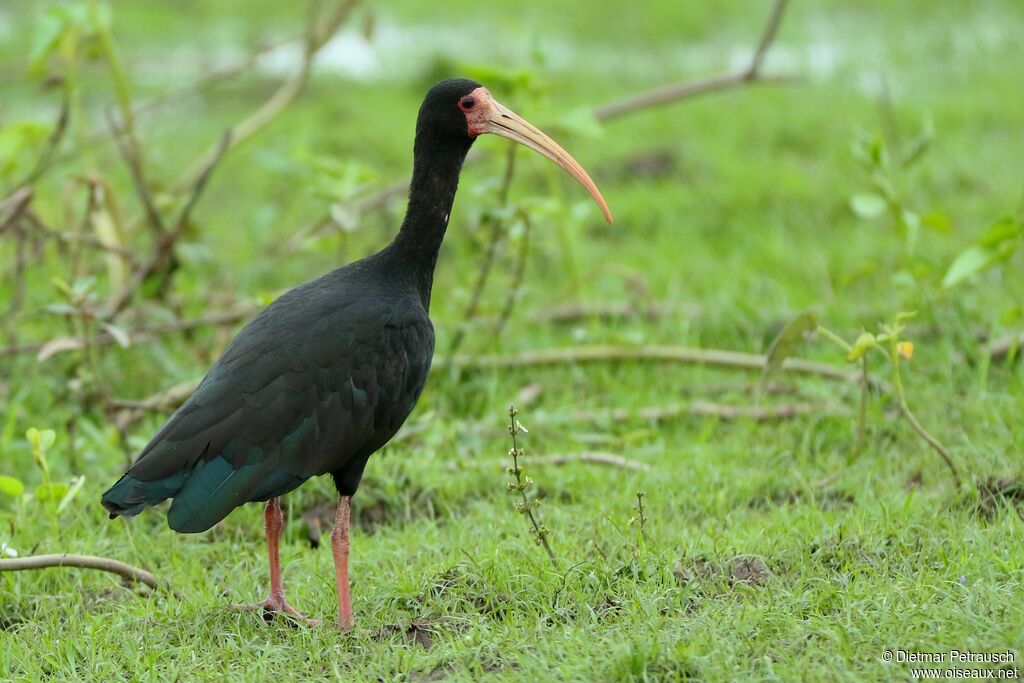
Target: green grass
(771, 551)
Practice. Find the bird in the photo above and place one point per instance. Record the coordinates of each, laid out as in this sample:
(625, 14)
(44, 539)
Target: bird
(327, 373)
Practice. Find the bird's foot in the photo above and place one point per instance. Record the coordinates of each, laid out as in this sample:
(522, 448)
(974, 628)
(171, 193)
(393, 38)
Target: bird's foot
(345, 624)
(271, 607)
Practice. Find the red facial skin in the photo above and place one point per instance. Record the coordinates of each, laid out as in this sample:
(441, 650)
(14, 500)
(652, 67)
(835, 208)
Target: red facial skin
(477, 106)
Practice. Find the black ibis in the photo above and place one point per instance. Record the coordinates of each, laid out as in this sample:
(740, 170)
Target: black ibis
(326, 374)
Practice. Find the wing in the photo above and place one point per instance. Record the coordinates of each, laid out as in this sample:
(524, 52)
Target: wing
(318, 378)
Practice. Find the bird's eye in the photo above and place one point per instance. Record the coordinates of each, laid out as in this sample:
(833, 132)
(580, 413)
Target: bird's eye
(467, 103)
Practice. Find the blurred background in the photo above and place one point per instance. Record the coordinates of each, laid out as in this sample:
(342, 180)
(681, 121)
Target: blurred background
(857, 161)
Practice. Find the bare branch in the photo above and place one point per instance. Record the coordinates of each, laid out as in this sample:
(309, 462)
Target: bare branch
(316, 38)
(84, 238)
(614, 310)
(497, 224)
(771, 29)
(14, 205)
(516, 284)
(653, 354)
(139, 334)
(52, 143)
(130, 153)
(661, 413)
(686, 89)
(200, 184)
(663, 354)
(164, 251)
(128, 572)
(588, 457)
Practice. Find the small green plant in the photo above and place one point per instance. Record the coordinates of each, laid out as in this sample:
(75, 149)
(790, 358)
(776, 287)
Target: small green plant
(999, 243)
(889, 343)
(521, 483)
(887, 193)
(639, 520)
(56, 495)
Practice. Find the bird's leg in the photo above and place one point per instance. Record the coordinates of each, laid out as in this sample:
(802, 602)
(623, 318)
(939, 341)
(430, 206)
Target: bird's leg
(340, 547)
(273, 523)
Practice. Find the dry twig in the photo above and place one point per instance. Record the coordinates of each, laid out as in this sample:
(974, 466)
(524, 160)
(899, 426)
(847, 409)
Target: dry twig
(164, 251)
(316, 38)
(614, 310)
(128, 572)
(587, 457)
(142, 333)
(658, 354)
(679, 91)
(664, 354)
(497, 224)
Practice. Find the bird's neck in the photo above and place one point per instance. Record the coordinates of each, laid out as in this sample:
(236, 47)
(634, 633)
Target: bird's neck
(435, 178)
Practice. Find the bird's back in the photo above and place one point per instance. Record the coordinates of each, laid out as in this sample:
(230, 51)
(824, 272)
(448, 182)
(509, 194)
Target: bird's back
(316, 383)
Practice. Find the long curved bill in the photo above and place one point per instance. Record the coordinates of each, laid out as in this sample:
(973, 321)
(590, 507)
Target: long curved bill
(506, 123)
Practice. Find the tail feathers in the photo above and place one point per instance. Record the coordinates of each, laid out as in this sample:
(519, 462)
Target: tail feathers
(130, 496)
(214, 489)
(203, 495)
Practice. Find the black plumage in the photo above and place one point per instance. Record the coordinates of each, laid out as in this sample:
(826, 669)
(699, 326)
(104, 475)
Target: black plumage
(325, 375)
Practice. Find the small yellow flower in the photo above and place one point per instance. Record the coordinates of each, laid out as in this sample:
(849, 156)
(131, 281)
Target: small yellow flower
(906, 349)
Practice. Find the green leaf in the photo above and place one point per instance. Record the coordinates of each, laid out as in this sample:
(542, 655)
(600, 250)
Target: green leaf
(970, 261)
(73, 489)
(865, 342)
(786, 343)
(919, 145)
(45, 38)
(868, 205)
(1004, 229)
(54, 491)
(11, 486)
(120, 335)
(936, 221)
(47, 438)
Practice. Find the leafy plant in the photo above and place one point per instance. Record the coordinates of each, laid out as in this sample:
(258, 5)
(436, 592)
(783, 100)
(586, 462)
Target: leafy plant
(888, 342)
(57, 495)
(521, 484)
(998, 244)
(887, 193)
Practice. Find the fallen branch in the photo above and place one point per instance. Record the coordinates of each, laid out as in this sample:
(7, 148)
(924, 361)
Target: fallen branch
(679, 91)
(695, 408)
(613, 310)
(664, 354)
(126, 571)
(588, 457)
(718, 411)
(52, 347)
(670, 354)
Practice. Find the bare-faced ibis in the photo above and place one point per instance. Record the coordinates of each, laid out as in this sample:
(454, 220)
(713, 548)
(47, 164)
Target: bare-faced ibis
(326, 374)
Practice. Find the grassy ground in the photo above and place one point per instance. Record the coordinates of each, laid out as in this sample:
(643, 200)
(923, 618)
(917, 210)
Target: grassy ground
(769, 550)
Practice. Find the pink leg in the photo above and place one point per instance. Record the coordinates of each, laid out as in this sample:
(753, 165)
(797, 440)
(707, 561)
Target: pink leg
(273, 523)
(340, 547)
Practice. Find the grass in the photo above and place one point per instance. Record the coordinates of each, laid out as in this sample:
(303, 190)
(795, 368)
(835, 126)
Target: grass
(771, 552)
